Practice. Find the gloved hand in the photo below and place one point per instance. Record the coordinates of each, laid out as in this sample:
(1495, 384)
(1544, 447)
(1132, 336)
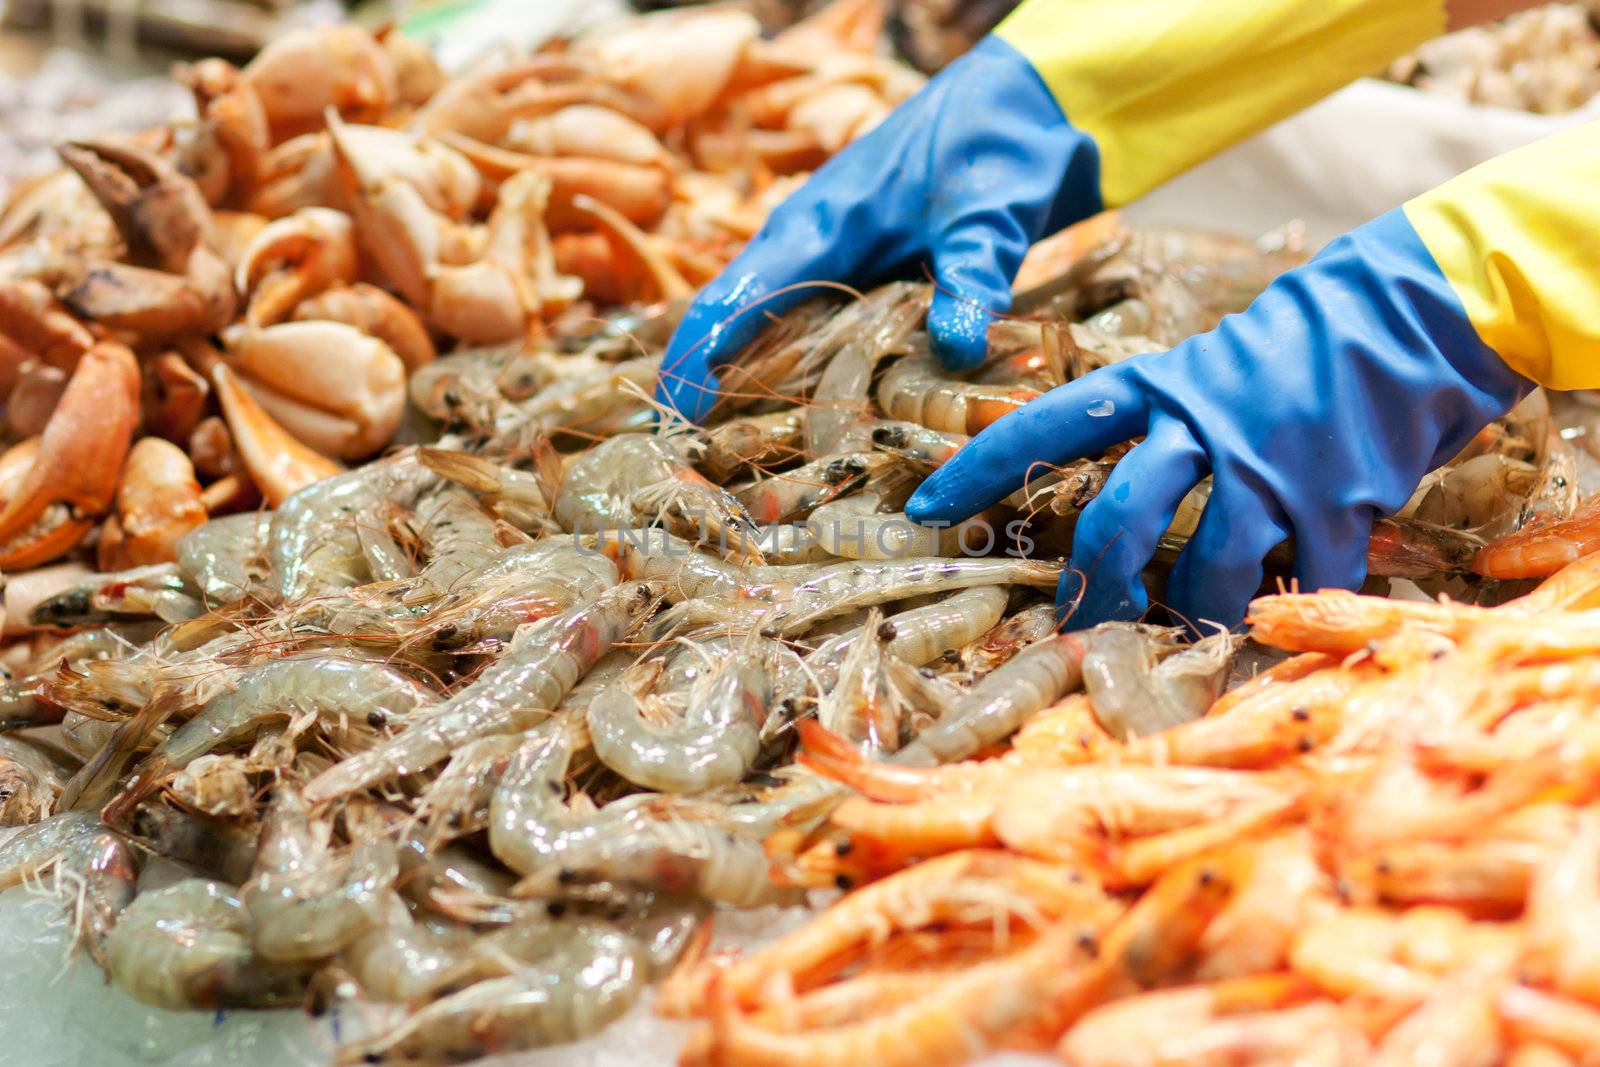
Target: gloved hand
(1316, 410)
(958, 181)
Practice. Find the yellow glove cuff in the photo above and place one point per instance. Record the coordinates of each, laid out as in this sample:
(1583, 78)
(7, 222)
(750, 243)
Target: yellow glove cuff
(1163, 84)
(1518, 239)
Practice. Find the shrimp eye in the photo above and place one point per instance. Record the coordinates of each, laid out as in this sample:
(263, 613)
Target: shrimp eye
(376, 719)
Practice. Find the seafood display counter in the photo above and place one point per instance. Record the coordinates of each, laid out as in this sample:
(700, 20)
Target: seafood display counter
(389, 679)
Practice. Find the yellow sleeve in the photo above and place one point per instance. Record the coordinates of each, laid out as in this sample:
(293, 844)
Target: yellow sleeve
(1163, 84)
(1518, 239)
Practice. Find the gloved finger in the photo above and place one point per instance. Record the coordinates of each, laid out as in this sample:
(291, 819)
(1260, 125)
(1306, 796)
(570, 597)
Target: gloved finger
(1118, 531)
(1087, 415)
(713, 330)
(1220, 569)
(1333, 554)
(972, 272)
(768, 278)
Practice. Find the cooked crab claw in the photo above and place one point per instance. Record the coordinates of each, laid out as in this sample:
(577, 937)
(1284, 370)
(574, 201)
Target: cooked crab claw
(75, 470)
(170, 279)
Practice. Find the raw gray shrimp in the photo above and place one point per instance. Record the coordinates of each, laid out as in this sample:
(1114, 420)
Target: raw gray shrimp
(523, 686)
(590, 978)
(609, 399)
(713, 743)
(92, 860)
(407, 962)
(793, 608)
(217, 848)
(916, 389)
(1001, 643)
(434, 877)
(441, 388)
(1486, 494)
(1142, 679)
(31, 777)
(380, 546)
(861, 334)
(20, 703)
(927, 696)
(854, 527)
(993, 709)
(520, 585)
(457, 537)
(784, 360)
(83, 736)
(608, 669)
(923, 634)
(28, 850)
(794, 494)
(532, 831)
(633, 479)
(751, 441)
(457, 801)
(685, 572)
(220, 785)
(1555, 495)
(792, 545)
(227, 557)
(856, 707)
(317, 686)
(840, 588)
(304, 904)
(514, 495)
(313, 543)
(161, 591)
(920, 448)
(627, 331)
(101, 873)
(187, 946)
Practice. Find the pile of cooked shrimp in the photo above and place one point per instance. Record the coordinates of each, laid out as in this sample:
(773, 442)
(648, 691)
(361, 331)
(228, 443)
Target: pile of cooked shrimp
(206, 316)
(1385, 849)
(1546, 60)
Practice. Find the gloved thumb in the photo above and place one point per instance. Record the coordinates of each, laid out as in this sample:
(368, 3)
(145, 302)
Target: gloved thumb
(972, 283)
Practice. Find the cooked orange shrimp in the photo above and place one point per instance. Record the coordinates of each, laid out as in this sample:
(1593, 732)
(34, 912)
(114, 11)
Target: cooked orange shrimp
(1254, 1020)
(897, 833)
(1563, 914)
(1541, 550)
(1070, 813)
(1533, 1015)
(1403, 956)
(834, 756)
(1278, 722)
(1339, 622)
(1457, 1026)
(1253, 933)
(988, 889)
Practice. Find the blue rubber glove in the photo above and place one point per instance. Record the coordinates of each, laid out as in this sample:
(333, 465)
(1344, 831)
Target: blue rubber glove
(957, 182)
(1316, 410)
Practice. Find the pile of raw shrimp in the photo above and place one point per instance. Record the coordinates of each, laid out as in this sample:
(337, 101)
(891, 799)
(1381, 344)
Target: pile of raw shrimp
(1385, 849)
(203, 317)
(1546, 60)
